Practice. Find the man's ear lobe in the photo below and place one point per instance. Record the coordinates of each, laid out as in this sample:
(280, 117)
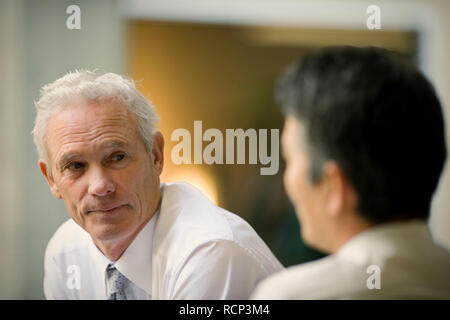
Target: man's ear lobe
(158, 151)
(335, 189)
(48, 176)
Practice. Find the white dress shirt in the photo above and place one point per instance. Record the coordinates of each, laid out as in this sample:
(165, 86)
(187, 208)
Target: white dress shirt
(190, 249)
(411, 267)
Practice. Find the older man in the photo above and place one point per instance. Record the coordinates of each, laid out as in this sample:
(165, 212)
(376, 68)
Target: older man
(364, 147)
(128, 237)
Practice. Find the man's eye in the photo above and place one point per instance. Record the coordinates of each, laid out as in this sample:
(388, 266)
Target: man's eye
(118, 157)
(75, 166)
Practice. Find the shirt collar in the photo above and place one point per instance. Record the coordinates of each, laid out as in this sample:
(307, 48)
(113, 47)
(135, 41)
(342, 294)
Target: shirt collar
(100, 262)
(388, 237)
(136, 261)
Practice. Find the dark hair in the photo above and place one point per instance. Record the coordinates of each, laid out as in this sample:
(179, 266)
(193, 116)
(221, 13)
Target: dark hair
(378, 118)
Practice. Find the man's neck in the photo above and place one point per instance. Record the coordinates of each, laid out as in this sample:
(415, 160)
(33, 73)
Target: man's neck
(113, 249)
(347, 231)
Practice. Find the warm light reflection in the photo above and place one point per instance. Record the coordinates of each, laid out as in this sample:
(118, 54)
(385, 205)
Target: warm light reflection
(195, 176)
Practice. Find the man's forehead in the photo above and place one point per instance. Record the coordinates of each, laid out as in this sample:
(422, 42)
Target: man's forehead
(107, 125)
(89, 116)
(293, 135)
(107, 144)
(291, 130)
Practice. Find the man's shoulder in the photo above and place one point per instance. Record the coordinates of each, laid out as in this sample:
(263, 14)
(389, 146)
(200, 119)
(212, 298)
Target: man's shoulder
(326, 278)
(68, 237)
(188, 221)
(186, 211)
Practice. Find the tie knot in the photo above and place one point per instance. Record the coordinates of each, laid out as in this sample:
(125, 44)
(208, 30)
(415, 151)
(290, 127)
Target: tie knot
(116, 284)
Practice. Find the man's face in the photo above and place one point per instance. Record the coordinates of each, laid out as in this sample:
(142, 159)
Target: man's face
(100, 168)
(307, 197)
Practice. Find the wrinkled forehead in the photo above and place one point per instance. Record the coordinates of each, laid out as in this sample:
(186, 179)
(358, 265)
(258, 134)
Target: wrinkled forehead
(88, 122)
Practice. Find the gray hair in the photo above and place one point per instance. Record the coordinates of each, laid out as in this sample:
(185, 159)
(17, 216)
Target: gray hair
(92, 86)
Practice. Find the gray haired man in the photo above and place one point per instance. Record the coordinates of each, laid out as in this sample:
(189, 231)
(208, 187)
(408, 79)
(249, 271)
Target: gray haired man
(128, 236)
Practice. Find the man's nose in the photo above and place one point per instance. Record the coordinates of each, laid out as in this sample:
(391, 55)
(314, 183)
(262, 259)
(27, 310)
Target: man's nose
(100, 184)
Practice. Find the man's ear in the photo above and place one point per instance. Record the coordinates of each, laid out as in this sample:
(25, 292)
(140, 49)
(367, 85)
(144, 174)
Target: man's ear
(335, 188)
(158, 152)
(48, 176)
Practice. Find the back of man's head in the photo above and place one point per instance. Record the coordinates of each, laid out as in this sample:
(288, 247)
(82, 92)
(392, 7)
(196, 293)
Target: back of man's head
(378, 118)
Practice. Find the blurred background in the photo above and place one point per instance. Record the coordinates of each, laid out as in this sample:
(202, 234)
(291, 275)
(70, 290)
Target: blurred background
(209, 60)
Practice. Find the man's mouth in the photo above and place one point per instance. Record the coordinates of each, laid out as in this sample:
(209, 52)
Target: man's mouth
(106, 209)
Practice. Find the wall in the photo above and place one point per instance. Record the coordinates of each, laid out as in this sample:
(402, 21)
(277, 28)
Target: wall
(37, 48)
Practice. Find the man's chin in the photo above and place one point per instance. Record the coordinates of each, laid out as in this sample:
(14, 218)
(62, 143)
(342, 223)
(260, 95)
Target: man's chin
(109, 232)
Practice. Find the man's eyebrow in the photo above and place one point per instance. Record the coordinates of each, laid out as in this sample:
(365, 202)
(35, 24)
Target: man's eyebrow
(115, 144)
(111, 144)
(66, 158)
